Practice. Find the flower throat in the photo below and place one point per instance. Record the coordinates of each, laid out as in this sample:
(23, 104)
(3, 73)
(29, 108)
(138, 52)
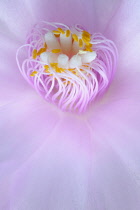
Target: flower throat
(68, 66)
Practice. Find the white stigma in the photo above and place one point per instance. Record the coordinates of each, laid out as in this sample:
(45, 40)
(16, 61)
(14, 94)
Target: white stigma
(88, 57)
(66, 43)
(76, 48)
(51, 41)
(75, 61)
(62, 47)
(63, 61)
(44, 57)
(62, 66)
(53, 58)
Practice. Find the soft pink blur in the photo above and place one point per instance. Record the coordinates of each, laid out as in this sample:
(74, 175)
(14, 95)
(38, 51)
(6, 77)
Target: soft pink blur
(51, 160)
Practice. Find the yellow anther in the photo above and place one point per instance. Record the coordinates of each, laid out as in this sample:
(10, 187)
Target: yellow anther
(67, 83)
(71, 69)
(56, 32)
(56, 51)
(45, 45)
(85, 33)
(56, 68)
(67, 33)
(46, 67)
(87, 42)
(33, 73)
(80, 43)
(57, 35)
(89, 45)
(86, 37)
(53, 65)
(85, 66)
(34, 54)
(75, 37)
(60, 70)
(46, 71)
(41, 51)
(60, 30)
(88, 49)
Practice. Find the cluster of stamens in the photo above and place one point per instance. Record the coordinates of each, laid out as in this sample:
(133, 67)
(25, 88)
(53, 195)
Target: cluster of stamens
(83, 43)
(68, 66)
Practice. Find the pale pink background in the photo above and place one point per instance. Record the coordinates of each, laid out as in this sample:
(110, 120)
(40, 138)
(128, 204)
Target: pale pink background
(50, 160)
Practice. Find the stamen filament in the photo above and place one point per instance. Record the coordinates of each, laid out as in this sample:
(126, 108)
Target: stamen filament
(68, 70)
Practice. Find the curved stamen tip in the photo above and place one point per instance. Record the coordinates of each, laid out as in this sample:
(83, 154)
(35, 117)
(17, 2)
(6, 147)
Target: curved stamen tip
(69, 67)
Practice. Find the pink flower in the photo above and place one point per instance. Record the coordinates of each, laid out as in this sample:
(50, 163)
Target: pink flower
(54, 160)
(67, 66)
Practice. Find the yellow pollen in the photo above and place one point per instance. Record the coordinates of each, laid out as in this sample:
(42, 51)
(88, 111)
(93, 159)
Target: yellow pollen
(57, 35)
(68, 82)
(46, 71)
(34, 54)
(67, 33)
(71, 69)
(85, 65)
(56, 68)
(86, 38)
(59, 70)
(75, 37)
(45, 45)
(33, 73)
(88, 49)
(87, 42)
(41, 51)
(53, 65)
(89, 45)
(80, 43)
(46, 67)
(61, 30)
(86, 34)
(56, 32)
(56, 51)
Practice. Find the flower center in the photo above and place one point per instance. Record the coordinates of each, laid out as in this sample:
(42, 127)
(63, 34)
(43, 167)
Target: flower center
(67, 66)
(65, 50)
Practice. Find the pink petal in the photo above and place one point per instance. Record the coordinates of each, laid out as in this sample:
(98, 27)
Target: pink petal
(19, 16)
(61, 160)
(26, 123)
